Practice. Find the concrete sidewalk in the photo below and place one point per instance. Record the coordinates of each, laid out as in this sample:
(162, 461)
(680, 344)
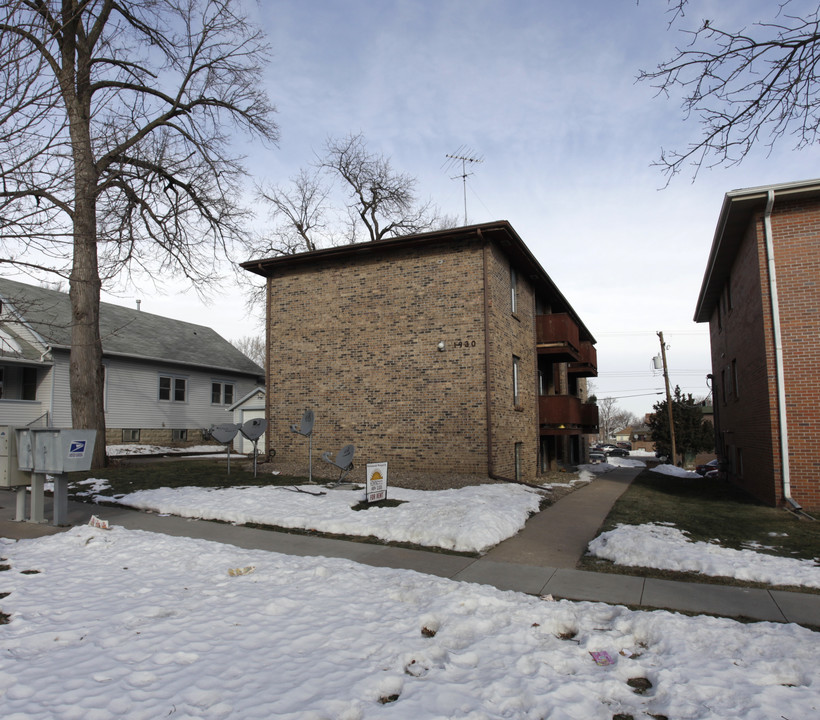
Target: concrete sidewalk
(539, 560)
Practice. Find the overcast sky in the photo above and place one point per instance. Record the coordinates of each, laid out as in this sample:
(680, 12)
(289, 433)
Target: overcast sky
(544, 91)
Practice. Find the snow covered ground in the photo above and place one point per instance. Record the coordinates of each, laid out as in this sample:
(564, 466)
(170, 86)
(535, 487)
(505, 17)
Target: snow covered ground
(126, 450)
(127, 624)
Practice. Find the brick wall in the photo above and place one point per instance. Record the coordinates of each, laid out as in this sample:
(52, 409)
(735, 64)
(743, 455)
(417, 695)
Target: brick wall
(512, 334)
(739, 343)
(748, 415)
(357, 340)
(796, 229)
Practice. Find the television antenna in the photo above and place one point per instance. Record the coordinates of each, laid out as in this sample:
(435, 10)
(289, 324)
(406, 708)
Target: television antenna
(463, 155)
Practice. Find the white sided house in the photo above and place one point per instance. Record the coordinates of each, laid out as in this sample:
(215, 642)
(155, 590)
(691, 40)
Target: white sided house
(165, 380)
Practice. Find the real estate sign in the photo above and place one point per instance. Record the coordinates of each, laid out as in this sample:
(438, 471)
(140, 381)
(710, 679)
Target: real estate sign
(376, 481)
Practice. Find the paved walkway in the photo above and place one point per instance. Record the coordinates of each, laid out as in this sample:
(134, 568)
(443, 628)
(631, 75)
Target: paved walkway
(539, 560)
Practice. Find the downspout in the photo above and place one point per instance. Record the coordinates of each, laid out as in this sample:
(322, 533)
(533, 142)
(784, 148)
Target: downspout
(53, 374)
(268, 387)
(488, 389)
(778, 354)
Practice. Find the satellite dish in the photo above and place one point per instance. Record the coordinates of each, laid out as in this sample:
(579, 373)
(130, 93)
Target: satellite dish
(224, 433)
(345, 456)
(306, 426)
(254, 428)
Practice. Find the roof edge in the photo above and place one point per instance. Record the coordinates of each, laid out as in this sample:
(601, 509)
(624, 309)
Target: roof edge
(736, 210)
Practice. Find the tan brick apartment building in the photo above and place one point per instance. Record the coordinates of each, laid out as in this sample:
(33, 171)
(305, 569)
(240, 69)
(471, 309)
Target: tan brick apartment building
(761, 298)
(450, 352)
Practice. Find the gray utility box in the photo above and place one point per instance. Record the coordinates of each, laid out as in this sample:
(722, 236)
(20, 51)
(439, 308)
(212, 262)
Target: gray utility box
(55, 451)
(10, 474)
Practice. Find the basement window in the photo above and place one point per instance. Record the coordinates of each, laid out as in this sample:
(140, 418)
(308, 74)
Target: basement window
(179, 435)
(130, 435)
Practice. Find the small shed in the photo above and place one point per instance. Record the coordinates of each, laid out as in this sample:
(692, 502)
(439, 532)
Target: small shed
(246, 408)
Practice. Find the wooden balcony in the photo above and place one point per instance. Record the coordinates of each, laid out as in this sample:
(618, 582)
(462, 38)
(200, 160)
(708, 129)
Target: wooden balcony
(566, 415)
(587, 365)
(557, 335)
(589, 417)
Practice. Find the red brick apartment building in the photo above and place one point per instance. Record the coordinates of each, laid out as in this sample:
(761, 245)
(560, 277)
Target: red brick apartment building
(449, 353)
(761, 298)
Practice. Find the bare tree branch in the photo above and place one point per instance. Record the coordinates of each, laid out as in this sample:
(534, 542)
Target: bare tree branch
(743, 86)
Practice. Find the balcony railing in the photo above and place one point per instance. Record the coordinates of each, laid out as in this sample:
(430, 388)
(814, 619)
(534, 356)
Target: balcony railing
(587, 365)
(556, 335)
(566, 415)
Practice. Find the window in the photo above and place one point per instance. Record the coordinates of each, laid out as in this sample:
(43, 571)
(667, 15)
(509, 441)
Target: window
(518, 461)
(516, 394)
(173, 388)
(222, 393)
(735, 384)
(513, 290)
(29, 383)
(179, 435)
(130, 435)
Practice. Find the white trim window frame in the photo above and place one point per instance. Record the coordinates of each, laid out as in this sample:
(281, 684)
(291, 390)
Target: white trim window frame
(173, 388)
(222, 392)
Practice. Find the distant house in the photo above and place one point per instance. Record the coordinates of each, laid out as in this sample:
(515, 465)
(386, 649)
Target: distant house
(761, 297)
(165, 379)
(638, 436)
(448, 353)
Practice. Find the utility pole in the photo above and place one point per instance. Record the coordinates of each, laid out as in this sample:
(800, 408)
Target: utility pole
(464, 155)
(668, 399)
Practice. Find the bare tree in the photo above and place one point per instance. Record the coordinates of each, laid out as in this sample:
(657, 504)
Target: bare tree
(381, 203)
(743, 85)
(382, 200)
(611, 418)
(115, 124)
(298, 212)
(253, 347)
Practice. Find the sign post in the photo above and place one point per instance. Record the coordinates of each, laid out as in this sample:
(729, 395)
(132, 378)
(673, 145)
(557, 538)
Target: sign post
(376, 482)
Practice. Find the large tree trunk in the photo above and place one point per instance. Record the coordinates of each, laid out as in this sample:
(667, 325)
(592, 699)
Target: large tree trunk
(86, 378)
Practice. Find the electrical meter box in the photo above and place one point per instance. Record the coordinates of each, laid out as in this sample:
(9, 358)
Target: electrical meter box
(56, 451)
(10, 474)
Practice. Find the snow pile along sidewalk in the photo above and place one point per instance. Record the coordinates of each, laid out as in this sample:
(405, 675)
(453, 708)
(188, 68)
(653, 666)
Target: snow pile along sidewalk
(661, 546)
(469, 519)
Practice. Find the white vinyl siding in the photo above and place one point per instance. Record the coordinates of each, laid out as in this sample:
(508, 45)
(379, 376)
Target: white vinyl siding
(133, 397)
